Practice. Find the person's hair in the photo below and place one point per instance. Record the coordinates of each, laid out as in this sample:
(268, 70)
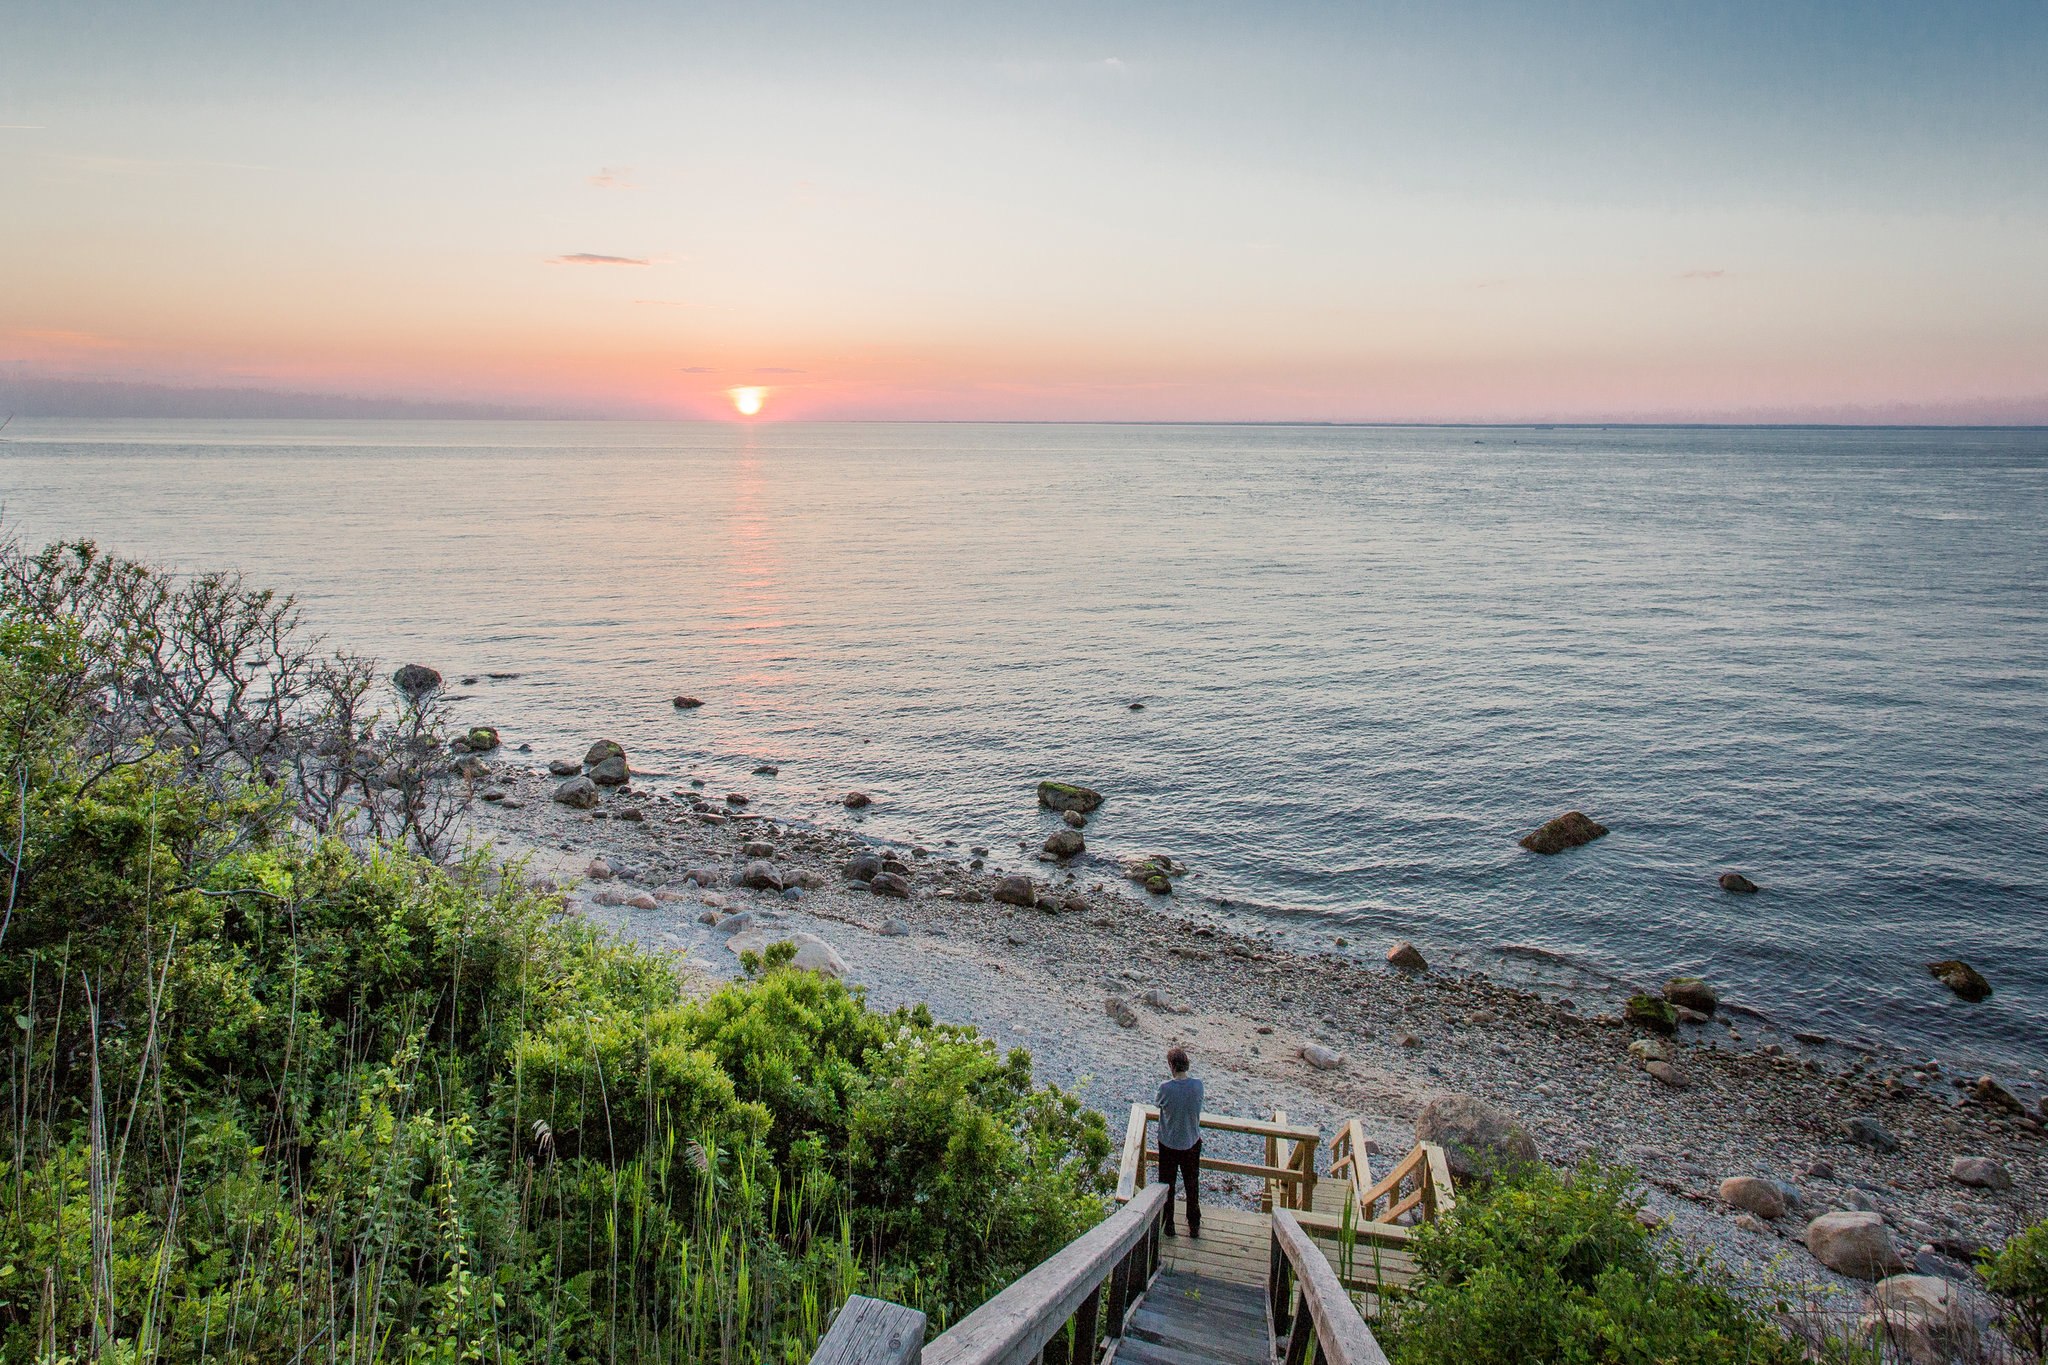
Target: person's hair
(1177, 1060)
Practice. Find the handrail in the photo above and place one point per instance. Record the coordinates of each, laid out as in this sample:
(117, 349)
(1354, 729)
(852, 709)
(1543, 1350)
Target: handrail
(1012, 1328)
(1297, 1175)
(1321, 1313)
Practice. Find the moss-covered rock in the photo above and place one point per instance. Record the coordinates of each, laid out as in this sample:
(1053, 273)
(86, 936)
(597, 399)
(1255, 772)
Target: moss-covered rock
(1650, 1012)
(1067, 796)
(482, 739)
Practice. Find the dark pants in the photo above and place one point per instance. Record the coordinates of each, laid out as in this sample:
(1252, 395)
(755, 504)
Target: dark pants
(1188, 1162)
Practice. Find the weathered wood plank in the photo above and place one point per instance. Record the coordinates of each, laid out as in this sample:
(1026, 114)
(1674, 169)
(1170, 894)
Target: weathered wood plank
(1130, 1177)
(872, 1332)
(1279, 1127)
(1341, 1334)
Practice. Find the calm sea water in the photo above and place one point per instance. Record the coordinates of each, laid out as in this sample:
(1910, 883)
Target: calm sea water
(1369, 659)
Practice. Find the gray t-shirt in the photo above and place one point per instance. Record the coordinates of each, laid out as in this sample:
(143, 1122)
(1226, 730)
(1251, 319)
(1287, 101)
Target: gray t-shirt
(1180, 1113)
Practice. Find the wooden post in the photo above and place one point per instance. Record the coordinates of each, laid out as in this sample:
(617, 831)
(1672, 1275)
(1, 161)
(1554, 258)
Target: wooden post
(872, 1332)
(1084, 1331)
(1119, 1295)
(1302, 1335)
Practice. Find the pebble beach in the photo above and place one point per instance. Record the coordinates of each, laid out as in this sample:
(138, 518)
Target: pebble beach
(1096, 977)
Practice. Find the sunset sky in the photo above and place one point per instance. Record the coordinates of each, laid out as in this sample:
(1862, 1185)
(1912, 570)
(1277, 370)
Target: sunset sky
(1086, 211)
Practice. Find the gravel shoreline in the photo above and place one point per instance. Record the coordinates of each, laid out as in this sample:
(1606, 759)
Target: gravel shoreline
(1042, 979)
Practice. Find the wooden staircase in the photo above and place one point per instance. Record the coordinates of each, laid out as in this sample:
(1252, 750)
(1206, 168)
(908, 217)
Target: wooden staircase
(1254, 1289)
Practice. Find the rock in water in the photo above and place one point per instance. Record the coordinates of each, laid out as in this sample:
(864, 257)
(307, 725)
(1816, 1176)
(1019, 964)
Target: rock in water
(564, 767)
(578, 792)
(1753, 1195)
(767, 770)
(1404, 956)
(1981, 1172)
(1868, 1132)
(415, 680)
(1855, 1244)
(1737, 885)
(1478, 1138)
(1651, 1013)
(601, 751)
(611, 772)
(1016, 889)
(686, 703)
(1925, 1315)
(1689, 992)
(1961, 978)
(1567, 831)
(760, 876)
(856, 801)
(1320, 1057)
(1065, 843)
(1066, 796)
(1119, 1009)
(1075, 819)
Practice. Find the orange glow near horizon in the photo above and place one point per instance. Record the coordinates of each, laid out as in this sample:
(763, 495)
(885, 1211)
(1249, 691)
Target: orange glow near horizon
(748, 401)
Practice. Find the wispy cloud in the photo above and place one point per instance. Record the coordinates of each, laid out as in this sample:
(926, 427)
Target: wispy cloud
(698, 369)
(613, 178)
(591, 258)
(1702, 275)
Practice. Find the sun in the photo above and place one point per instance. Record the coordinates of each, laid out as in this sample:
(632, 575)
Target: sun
(748, 401)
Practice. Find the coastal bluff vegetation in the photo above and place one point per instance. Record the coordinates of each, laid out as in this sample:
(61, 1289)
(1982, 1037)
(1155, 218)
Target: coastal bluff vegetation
(296, 1075)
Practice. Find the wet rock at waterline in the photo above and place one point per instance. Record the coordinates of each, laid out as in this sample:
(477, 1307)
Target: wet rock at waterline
(1074, 819)
(856, 801)
(1961, 978)
(1569, 830)
(686, 703)
(415, 680)
(1651, 1013)
(1067, 796)
(1689, 992)
(1065, 843)
(601, 751)
(611, 772)
(1405, 956)
(1735, 884)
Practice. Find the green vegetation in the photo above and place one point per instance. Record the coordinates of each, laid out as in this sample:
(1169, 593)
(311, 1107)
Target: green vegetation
(281, 1087)
(1544, 1267)
(2017, 1276)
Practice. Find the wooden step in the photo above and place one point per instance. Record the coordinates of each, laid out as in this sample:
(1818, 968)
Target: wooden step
(1229, 1342)
(1137, 1351)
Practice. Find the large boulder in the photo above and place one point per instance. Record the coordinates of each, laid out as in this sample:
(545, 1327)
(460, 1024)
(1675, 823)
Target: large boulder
(1406, 957)
(580, 793)
(1981, 1172)
(1065, 843)
(416, 680)
(1961, 978)
(760, 875)
(1016, 889)
(1854, 1243)
(1923, 1315)
(1478, 1138)
(1567, 831)
(1753, 1194)
(1692, 993)
(611, 772)
(1735, 884)
(1067, 796)
(813, 954)
(601, 751)
(856, 800)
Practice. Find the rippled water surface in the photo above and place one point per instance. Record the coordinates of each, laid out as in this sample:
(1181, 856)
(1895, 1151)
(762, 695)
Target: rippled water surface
(1369, 659)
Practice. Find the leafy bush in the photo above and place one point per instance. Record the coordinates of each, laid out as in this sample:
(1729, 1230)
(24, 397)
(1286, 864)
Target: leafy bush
(2017, 1276)
(276, 1096)
(1541, 1267)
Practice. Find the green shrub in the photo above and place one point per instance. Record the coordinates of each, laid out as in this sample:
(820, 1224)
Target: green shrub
(1541, 1267)
(2017, 1276)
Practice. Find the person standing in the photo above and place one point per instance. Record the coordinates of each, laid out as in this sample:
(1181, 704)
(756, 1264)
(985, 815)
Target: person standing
(1180, 1139)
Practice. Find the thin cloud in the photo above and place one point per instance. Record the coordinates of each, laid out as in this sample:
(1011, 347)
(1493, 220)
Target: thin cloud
(1702, 275)
(608, 178)
(698, 369)
(591, 258)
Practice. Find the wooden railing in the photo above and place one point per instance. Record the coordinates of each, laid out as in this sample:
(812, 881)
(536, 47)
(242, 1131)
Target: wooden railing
(1420, 1182)
(1309, 1306)
(1295, 1178)
(1119, 1254)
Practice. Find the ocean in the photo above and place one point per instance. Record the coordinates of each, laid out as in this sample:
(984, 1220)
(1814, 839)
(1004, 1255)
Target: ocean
(1369, 660)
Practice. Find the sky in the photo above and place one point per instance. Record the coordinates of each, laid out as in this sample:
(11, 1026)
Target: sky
(1136, 212)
